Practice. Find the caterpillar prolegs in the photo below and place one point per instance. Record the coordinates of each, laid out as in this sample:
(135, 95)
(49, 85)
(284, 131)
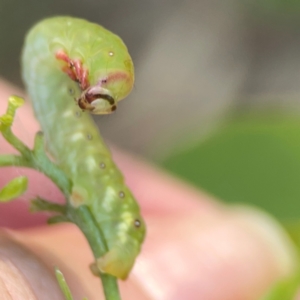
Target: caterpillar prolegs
(64, 59)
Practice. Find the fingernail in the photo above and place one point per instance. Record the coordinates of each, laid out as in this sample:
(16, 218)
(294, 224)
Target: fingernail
(272, 234)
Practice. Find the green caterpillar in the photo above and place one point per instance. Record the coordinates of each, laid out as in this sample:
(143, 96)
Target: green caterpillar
(64, 59)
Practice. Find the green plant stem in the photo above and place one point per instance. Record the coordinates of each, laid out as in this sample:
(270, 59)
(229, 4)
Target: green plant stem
(13, 161)
(40, 204)
(37, 159)
(63, 284)
(16, 143)
(83, 218)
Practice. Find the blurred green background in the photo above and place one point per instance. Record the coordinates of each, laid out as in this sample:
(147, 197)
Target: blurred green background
(216, 99)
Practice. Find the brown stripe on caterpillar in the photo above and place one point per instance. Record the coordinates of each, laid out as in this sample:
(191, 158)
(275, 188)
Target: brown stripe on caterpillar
(74, 69)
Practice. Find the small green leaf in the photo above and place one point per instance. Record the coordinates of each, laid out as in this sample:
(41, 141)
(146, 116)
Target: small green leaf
(63, 284)
(58, 219)
(16, 101)
(14, 189)
(39, 204)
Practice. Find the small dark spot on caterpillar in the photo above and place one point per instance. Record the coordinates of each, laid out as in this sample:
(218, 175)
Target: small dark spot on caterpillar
(113, 108)
(71, 91)
(78, 114)
(121, 194)
(104, 80)
(137, 223)
(102, 165)
(89, 136)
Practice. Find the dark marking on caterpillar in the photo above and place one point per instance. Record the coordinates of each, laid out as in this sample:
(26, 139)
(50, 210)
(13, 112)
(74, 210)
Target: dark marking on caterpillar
(78, 114)
(71, 91)
(137, 223)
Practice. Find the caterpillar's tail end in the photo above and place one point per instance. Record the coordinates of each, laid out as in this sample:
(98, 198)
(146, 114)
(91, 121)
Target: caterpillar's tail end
(115, 263)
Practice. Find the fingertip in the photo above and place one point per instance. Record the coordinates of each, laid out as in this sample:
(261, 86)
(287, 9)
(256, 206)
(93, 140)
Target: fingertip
(229, 256)
(22, 274)
(270, 233)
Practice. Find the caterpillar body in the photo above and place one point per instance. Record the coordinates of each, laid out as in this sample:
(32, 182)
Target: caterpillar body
(64, 59)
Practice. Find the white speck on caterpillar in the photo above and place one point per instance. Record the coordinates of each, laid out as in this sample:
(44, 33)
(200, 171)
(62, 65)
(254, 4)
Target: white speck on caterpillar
(126, 216)
(122, 227)
(77, 136)
(121, 232)
(110, 53)
(67, 113)
(122, 238)
(91, 163)
(108, 200)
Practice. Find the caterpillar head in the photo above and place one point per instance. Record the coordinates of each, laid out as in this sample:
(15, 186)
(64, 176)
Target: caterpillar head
(97, 100)
(113, 86)
(101, 88)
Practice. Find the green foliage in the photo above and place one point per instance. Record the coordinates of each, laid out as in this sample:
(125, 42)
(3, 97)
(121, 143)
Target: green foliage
(274, 13)
(272, 8)
(277, 6)
(252, 159)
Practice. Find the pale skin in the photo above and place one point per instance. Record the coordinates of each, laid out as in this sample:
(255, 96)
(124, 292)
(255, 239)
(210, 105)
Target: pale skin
(196, 247)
